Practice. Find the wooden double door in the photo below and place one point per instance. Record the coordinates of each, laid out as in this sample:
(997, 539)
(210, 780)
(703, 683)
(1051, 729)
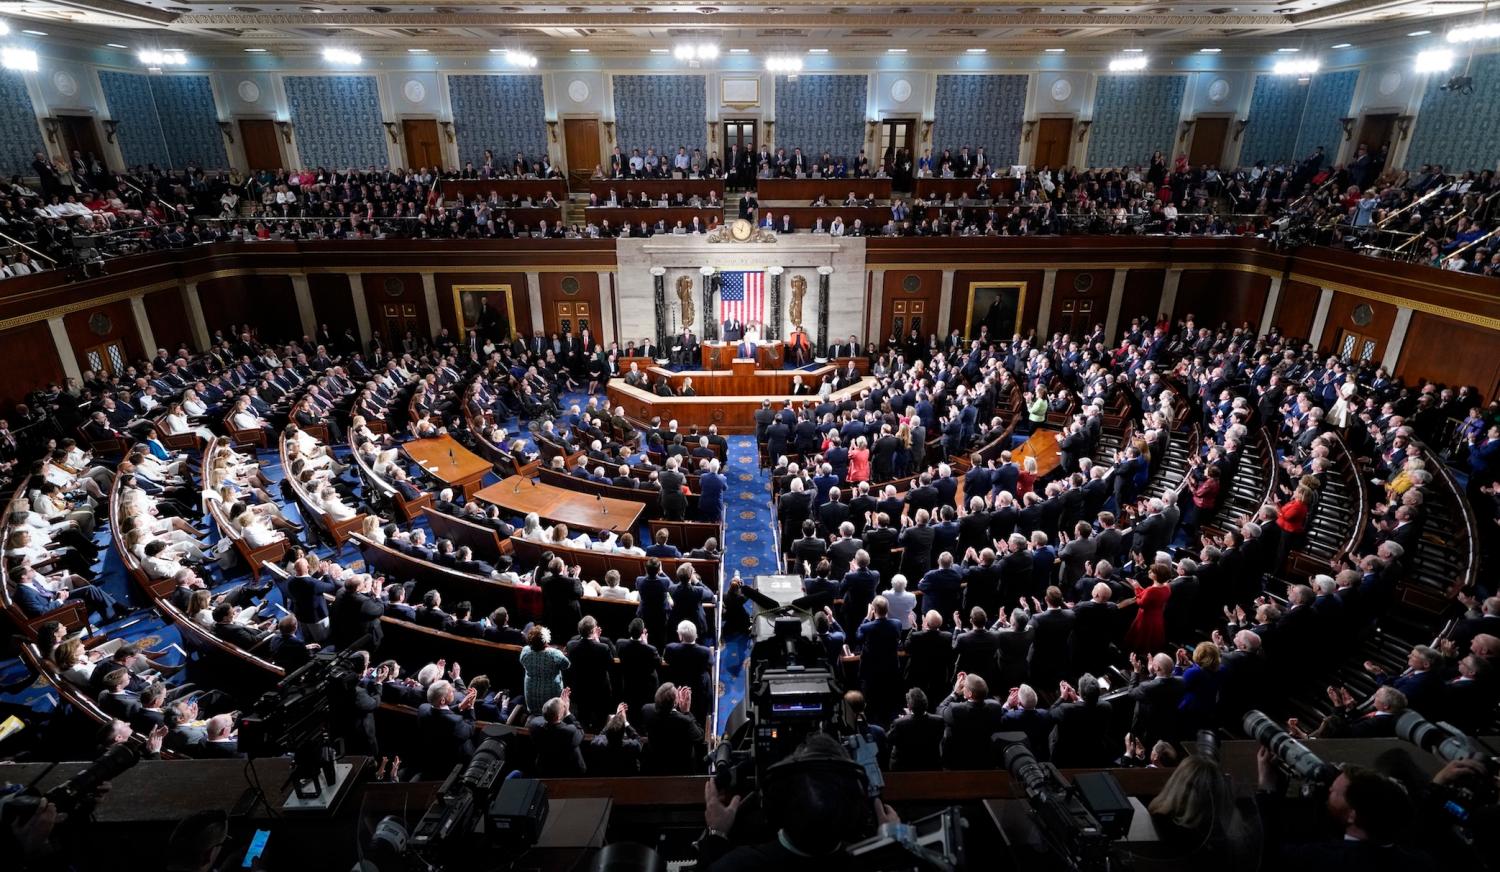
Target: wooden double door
(258, 136)
(422, 146)
(1054, 143)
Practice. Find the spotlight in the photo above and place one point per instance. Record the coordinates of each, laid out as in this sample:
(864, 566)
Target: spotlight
(1474, 32)
(524, 60)
(1131, 64)
(20, 59)
(783, 64)
(1437, 60)
(166, 58)
(342, 57)
(1296, 68)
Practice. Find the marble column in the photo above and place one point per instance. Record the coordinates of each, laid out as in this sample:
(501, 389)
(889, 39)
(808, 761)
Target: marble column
(361, 309)
(303, 295)
(877, 302)
(1273, 299)
(1044, 305)
(659, 288)
(429, 296)
(143, 325)
(196, 322)
(1325, 299)
(945, 307)
(824, 274)
(606, 319)
(65, 348)
(710, 320)
(1116, 299)
(534, 295)
(777, 314)
(1169, 292)
(1397, 340)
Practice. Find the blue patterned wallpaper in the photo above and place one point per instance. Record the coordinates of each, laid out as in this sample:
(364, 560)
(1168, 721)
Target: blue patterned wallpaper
(1461, 132)
(336, 121)
(189, 121)
(1328, 99)
(1276, 105)
(1134, 115)
(660, 112)
(504, 114)
(132, 104)
(19, 134)
(818, 112)
(981, 111)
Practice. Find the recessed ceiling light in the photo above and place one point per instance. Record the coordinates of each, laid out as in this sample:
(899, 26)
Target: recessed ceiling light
(1133, 50)
(1413, 33)
(817, 51)
(895, 51)
(1343, 45)
(1210, 50)
(416, 51)
(578, 50)
(1289, 50)
(114, 45)
(659, 51)
(35, 32)
(499, 50)
(1055, 50)
(255, 50)
(739, 51)
(976, 50)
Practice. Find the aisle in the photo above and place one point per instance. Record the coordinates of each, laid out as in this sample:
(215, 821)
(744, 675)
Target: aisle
(749, 549)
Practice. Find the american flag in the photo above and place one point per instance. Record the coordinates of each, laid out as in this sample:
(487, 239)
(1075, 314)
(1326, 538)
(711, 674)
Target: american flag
(742, 296)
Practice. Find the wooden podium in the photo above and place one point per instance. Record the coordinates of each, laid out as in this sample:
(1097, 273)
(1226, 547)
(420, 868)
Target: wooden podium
(724, 355)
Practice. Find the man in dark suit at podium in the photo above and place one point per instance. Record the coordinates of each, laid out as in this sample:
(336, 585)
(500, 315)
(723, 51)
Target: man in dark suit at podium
(733, 330)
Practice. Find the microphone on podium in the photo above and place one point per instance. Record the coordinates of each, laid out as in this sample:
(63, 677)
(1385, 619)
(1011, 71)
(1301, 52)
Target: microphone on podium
(603, 506)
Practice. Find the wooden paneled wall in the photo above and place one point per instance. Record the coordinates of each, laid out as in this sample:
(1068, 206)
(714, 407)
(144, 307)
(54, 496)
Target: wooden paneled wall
(31, 362)
(1222, 296)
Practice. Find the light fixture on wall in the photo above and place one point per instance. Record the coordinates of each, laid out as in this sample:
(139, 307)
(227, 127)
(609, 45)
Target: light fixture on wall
(342, 57)
(1474, 32)
(1296, 68)
(695, 52)
(521, 59)
(783, 64)
(19, 59)
(1437, 60)
(1132, 64)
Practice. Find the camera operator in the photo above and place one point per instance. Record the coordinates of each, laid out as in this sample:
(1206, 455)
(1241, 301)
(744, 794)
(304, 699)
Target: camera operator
(817, 801)
(1371, 810)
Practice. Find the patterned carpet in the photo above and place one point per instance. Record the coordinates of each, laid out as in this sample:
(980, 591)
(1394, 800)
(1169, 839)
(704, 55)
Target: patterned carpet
(750, 550)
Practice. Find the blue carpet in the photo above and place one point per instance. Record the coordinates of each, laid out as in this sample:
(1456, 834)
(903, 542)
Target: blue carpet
(750, 550)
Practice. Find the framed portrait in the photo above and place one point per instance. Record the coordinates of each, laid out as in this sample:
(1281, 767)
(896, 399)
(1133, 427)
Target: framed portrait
(994, 309)
(490, 309)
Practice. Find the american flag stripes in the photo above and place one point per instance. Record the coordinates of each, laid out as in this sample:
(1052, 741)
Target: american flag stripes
(742, 296)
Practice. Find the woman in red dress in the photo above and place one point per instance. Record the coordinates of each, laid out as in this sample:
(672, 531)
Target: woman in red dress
(1148, 632)
(859, 460)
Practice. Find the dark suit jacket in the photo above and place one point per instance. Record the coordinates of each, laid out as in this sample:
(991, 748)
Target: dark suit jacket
(968, 728)
(445, 740)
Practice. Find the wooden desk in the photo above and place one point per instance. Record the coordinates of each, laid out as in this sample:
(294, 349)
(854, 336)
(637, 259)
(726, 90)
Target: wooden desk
(1043, 446)
(558, 505)
(929, 188)
(482, 188)
(617, 216)
(449, 462)
(808, 190)
(530, 216)
(654, 188)
(727, 397)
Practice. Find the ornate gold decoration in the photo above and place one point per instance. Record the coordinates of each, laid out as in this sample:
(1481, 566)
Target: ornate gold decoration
(447, 130)
(1239, 127)
(741, 230)
(1083, 129)
(227, 128)
(926, 131)
(1185, 128)
(390, 130)
(51, 125)
(552, 131)
(685, 300)
(609, 131)
(799, 290)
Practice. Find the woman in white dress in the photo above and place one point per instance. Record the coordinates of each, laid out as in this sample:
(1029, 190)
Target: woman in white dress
(176, 423)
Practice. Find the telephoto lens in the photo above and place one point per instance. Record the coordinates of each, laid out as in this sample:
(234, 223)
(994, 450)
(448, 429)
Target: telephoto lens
(1294, 755)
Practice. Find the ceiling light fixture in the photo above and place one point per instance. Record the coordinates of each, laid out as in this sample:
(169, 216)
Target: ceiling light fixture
(164, 58)
(975, 50)
(1474, 32)
(696, 52)
(20, 59)
(1133, 50)
(739, 51)
(1210, 50)
(578, 51)
(661, 51)
(1343, 45)
(4, 28)
(1055, 50)
(1289, 50)
(115, 45)
(35, 32)
(1132, 64)
(1419, 33)
(1297, 68)
(256, 50)
(783, 64)
(342, 57)
(895, 51)
(416, 51)
(521, 59)
(817, 51)
(1435, 61)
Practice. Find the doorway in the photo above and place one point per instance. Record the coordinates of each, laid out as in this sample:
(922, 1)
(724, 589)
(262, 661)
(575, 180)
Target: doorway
(1074, 318)
(397, 320)
(1054, 143)
(896, 135)
(108, 359)
(81, 135)
(1357, 346)
(581, 139)
(1208, 141)
(1377, 131)
(422, 146)
(569, 316)
(262, 151)
(740, 132)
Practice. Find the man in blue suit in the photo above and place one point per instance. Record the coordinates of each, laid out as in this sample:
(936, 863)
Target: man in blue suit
(38, 595)
(689, 596)
(307, 601)
(711, 487)
(653, 587)
(858, 588)
(942, 588)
